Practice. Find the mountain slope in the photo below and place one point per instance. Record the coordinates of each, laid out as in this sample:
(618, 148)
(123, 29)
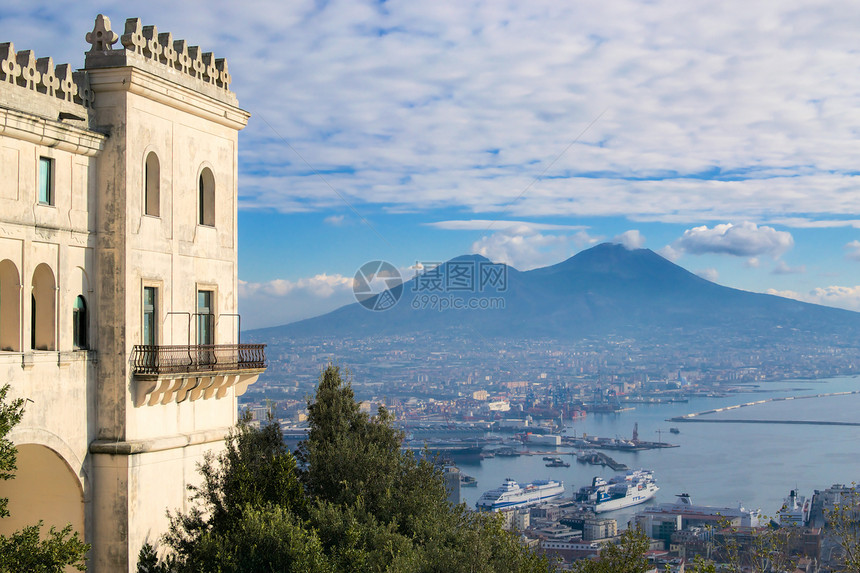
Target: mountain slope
(605, 290)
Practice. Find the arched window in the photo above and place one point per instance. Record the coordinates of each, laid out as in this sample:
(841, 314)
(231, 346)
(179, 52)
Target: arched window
(10, 307)
(206, 198)
(43, 300)
(79, 323)
(152, 185)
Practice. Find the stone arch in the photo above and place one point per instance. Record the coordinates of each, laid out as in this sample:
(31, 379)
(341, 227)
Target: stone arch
(10, 307)
(206, 198)
(45, 488)
(43, 319)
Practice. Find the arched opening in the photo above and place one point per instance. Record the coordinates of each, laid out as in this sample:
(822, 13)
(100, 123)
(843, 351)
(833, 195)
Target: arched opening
(45, 488)
(44, 309)
(80, 323)
(152, 185)
(206, 198)
(10, 307)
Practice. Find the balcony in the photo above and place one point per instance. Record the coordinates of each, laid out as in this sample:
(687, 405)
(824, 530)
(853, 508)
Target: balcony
(178, 373)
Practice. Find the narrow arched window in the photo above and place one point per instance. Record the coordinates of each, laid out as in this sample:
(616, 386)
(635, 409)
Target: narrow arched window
(152, 185)
(10, 307)
(43, 319)
(206, 198)
(79, 323)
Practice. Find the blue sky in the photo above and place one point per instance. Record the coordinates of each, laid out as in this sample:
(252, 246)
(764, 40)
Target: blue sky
(723, 135)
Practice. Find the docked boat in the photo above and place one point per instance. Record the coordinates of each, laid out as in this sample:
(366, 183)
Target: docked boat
(624, 490)
(795, 510)
(684, 507)
(468, 481)
(511, 494)
(556, 462)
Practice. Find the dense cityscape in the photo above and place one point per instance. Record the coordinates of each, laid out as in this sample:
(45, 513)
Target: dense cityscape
(493, 398)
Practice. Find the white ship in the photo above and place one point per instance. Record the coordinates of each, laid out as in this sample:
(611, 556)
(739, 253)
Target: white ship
(510, 494)
(624, 490)
(684, 507)
(795, 510)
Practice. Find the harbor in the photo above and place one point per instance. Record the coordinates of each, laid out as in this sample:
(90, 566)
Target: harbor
(739, 463)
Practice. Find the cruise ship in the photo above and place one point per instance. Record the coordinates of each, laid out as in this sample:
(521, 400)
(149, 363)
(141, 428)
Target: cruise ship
(511, 494)
(624, 490)
(684, 507)
(795, 510)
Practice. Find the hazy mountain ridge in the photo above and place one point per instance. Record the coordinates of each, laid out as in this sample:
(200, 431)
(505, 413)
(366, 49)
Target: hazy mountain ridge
(605, 290)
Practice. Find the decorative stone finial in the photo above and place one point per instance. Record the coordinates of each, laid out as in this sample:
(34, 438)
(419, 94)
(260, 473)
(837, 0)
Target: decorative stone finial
(224, 78)
(85, 96)
(29, 74)
(66, 82)
(153, 46)
(183, 60)
(210, 71)
(8, 63)
(168, 54)
(102, 37)
(133, 39)
(48, 81)
(197, 65)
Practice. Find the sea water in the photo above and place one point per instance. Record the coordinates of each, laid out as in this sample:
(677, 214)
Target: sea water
(719, 464)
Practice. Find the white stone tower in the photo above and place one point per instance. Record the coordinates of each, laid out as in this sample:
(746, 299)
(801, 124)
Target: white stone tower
(118, 281)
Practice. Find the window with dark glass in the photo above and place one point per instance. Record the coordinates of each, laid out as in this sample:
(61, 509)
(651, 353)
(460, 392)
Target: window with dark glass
(46, 181)
(150, 308)
(204, 317)
(79, 323)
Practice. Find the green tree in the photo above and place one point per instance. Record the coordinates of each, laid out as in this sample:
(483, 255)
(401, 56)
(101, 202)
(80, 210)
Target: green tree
(751, 549)
(29, 549)
(626, 556)
(393, 505)
(359, 504)
(843, 524)
(248, 511)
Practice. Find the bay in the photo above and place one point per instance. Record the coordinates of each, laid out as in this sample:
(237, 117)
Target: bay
(721, 464)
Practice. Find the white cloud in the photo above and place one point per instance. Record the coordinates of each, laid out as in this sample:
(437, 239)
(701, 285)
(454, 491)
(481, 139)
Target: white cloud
(669, 253)
(752, 263)
(720, 111)
(499, 225)
(804, 223)
(837, 296)
(781, 268)
(524, 247)
(853, 249)
(335, 220)
(282, 301)
(709, 274)
(631, 239)
(742, 240)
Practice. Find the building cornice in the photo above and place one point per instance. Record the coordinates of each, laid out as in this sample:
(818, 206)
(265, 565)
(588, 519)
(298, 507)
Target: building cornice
(164, 91)
(145, 446)
(50, 133)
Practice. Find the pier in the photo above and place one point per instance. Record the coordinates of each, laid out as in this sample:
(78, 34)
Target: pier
(699, 416)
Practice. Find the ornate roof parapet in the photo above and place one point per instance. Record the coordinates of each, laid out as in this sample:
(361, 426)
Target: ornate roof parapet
(145, 48)
(23, 70)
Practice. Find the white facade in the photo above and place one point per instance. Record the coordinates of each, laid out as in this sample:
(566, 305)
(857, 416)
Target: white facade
(118, 282)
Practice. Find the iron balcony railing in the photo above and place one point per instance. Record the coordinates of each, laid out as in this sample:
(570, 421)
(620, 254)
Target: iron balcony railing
(155, 359)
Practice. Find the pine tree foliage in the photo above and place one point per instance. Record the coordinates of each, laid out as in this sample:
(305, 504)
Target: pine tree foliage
(353, 501)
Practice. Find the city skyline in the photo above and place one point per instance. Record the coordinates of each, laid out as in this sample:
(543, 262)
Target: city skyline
(721, 137)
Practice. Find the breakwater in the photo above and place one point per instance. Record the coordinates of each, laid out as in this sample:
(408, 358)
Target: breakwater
(701, 416)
